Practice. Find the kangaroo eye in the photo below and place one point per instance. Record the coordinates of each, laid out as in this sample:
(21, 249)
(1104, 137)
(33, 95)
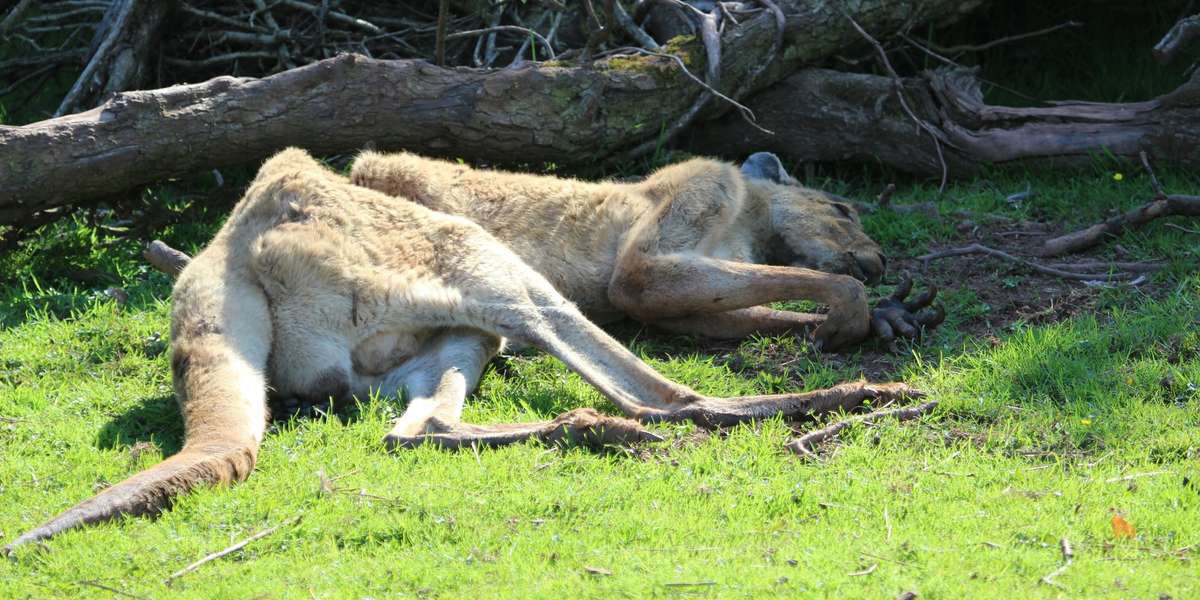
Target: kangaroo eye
(844, 209)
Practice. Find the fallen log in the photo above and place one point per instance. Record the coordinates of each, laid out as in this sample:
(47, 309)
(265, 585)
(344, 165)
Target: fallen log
(567, 115)
(821, 115)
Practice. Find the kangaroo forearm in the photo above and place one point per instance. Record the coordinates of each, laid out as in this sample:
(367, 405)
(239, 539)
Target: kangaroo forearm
(744, 322)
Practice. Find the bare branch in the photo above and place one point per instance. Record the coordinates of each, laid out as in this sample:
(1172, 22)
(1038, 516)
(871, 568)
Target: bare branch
(981, 249)
(1176, 39)
(1173, 205)
(221, 59)
(14, 16)
(230, 550)
(1155, 186)
(1004, 40)
(712, 46)
(804, 444)
(683, 67)
(1068, 556)
(898, 86)
(334, 15)
(219, 18)
(473, 32)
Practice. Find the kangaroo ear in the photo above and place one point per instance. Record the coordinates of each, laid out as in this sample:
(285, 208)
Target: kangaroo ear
(766, 166)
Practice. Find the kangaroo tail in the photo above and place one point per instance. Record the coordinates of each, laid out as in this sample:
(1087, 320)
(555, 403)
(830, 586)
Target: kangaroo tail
(221, 336)
(149, 492)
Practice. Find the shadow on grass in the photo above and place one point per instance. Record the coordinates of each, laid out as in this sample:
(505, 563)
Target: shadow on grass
(157, 420)
(154, 419)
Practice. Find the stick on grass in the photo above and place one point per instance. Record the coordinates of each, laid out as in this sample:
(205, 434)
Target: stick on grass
(230, 550)
(803, 445)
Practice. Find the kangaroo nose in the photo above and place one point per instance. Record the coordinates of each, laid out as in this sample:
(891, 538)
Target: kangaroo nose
(872, 266)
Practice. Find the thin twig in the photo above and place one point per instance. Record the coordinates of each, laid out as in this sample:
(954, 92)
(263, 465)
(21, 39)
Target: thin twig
(952, 63)
(284, 59)
(519, 55)
(864, 572)
(981, 249)
(1182, 228)
(38, 72)
(525, 30)
(898, 86)
(712, 80)
(213, 16)
(58, 18)
(97, 584)
(335, 16)
(1094, 265)
(54, 58)
(1155, 186)
(1136, 476)
(231, 549)
(804, 444)
(1068, 555)
(683, 67)
(221, 59)
(488, 43)
(1003, 40)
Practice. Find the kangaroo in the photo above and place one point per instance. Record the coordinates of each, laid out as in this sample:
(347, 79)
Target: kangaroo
(316, 287)
(694, 248)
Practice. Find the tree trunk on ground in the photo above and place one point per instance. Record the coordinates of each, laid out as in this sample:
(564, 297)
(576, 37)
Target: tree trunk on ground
(821, 115)
(568, 115)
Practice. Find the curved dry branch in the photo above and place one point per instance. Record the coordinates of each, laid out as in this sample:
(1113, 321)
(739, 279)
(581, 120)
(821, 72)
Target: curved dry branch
(1166, 206)
(1098, 275)
(804, 444)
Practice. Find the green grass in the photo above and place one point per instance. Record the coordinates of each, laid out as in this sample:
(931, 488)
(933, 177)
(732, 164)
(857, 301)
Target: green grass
(1045, 430)
(972, 501)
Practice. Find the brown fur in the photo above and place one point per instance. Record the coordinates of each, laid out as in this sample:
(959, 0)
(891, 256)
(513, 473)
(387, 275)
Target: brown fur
(316, 286)
(661, 250)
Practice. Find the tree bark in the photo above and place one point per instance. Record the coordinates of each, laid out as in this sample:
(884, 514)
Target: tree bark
(821, 115)
(568, 115)
(120, 55)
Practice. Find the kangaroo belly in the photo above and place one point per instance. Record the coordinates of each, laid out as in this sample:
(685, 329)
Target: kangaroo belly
(330, 338)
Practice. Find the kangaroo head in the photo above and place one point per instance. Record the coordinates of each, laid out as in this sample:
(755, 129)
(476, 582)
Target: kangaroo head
(809, 228)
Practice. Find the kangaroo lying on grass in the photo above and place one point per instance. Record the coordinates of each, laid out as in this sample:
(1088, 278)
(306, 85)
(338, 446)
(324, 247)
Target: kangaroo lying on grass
(694, 248)
(319, 288)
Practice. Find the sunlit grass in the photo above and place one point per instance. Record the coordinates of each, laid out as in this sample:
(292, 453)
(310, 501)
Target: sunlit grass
(1042, 434)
